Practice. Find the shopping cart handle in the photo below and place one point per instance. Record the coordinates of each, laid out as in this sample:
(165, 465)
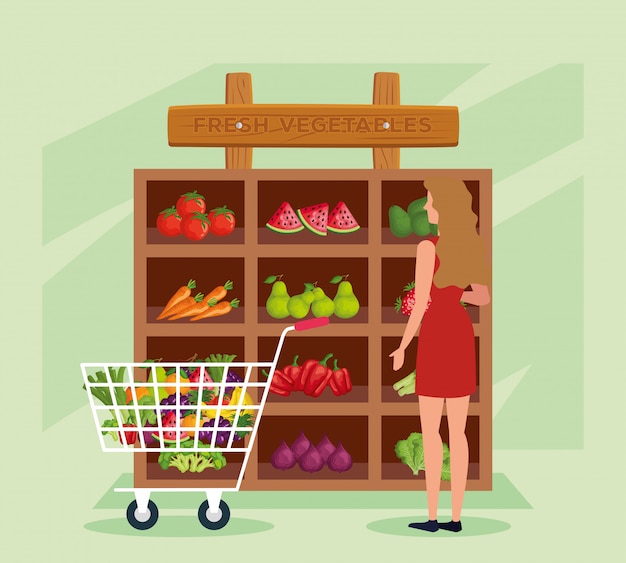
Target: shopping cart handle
(311, 323)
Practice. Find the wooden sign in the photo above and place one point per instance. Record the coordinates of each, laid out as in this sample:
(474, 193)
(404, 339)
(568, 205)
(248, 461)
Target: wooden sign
(311, 125)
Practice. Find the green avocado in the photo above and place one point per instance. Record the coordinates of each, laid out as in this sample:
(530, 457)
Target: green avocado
(399, 221)
(420, 225)
(416, 206)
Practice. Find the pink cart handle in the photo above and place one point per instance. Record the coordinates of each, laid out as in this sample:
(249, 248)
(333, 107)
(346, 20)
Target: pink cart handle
(311, 323)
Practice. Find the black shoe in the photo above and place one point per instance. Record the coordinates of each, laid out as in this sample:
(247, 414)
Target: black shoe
(430, 526)
(451, 526)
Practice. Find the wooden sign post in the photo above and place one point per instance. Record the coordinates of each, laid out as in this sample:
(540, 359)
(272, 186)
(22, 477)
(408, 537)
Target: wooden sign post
(384, 126)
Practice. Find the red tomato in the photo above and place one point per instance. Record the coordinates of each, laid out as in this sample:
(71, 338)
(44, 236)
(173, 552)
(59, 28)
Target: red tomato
(222, 221)
(168, 222)
(195, 227)
(190, 203)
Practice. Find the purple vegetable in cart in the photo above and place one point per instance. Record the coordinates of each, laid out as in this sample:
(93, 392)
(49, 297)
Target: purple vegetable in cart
(231, 377)
(283, 458)
(148, 436)
(221, 437)
(340, 460)
(170, 400)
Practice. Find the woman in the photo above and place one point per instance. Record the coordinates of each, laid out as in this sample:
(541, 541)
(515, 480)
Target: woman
(446, 363)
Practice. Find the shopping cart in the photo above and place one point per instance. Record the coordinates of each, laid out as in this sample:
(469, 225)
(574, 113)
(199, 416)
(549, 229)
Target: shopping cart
(130, 416)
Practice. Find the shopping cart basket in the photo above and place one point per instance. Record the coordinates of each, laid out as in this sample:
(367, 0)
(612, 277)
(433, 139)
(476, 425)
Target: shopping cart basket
(210, 418)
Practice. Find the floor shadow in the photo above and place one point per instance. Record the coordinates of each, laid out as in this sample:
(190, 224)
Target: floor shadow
(471, 527)
(178, 527)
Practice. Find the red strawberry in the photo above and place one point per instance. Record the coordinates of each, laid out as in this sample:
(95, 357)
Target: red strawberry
(406, 303)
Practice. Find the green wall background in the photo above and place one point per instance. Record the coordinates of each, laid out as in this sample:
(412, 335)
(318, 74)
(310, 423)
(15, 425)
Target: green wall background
(84, 91)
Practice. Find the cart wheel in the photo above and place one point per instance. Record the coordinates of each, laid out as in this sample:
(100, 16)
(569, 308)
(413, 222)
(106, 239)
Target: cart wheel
(214, 521)
(141, 521)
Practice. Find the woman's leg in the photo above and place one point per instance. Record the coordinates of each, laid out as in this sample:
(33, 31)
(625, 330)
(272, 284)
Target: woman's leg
(456, 410)
(430, 417)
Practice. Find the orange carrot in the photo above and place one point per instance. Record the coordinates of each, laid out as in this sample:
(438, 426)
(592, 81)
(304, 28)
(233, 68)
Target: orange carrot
(195, 309)
(184, 304)
(217, 310)
(182, 293)
(219, 292)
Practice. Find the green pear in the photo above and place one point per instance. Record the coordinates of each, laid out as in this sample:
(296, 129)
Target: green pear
(276, 304)
(299, 305)
(322, 306)
(346, 303)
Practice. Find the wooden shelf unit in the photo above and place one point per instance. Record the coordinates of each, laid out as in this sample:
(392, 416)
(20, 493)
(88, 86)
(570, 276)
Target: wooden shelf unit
(372, 418)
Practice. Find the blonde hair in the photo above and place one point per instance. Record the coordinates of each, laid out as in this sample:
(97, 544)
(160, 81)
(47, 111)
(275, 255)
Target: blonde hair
(462, 252)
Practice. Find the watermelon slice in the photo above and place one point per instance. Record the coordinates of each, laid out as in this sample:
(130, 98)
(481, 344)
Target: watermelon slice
(341, 220)
(315, 218)
(285, 220)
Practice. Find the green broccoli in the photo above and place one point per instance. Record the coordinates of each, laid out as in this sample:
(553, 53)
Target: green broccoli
(180, 461)
(194, 462)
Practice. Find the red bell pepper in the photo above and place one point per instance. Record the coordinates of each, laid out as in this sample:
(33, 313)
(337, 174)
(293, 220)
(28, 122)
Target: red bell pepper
(316, 376)
(279, 384)
(130, 435)
(342, 380)
(292, 372)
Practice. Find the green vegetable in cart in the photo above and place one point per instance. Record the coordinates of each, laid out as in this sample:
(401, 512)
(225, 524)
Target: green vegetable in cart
(411, 453)
(101, 391)
(194, 462)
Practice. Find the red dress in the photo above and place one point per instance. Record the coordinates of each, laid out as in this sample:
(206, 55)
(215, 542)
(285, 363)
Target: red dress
(446, 357)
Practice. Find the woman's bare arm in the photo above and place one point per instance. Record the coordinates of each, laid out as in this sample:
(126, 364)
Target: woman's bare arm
(478, 296)
(424, 271)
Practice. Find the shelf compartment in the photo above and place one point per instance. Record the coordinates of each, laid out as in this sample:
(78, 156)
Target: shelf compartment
(304, 193)
(179, 349)
(351, 431)
(350, 352)
(166, 275)
(162, 194)
(389, 377)
(209, 478)
(396, 274)
(297, 271)
(403, 192)
(396, 428)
